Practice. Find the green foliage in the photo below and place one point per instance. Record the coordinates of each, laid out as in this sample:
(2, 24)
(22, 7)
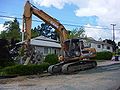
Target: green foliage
(6, 62)
(106, 55)
(0, 67)
(5, 58)
(47, 31)
(76, 33)
(34, 33)
(118, 43)
(25, 69)
(12, 30)
(118, 51)
(51, 59)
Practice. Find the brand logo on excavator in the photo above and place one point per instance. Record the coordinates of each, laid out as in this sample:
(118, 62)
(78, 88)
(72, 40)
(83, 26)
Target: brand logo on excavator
(56, 26)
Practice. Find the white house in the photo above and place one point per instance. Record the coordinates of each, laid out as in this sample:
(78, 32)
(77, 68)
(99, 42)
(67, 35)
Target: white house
(98, 45)
(49, 46)
(46, 45)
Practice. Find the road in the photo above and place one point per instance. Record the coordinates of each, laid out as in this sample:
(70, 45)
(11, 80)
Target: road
(103, 77)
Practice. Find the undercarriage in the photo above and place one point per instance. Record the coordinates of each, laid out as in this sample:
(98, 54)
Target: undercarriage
(70, 67)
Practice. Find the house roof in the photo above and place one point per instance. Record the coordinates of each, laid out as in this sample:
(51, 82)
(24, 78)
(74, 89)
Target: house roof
(91, 40)
(44, 41)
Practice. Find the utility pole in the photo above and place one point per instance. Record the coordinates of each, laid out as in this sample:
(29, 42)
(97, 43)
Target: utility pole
(113, 25)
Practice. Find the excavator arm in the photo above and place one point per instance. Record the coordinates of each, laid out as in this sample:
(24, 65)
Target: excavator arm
(30, 10)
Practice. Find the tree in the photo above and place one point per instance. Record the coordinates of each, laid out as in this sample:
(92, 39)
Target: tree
(55, 35)
(46, 30)
(112, 43)
(12, 30)
(11, 33)
(3, 35)
(34, 33)
(118, 43)
(5, 57)
(76, 33)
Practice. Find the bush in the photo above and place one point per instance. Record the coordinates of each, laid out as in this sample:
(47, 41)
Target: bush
(5, 57)
(25, 69)
(51, 59)
(0, 67)
(6, 62)
(106, 55)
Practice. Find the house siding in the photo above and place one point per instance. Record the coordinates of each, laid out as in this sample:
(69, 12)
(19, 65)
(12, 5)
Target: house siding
(47, 50)
(46, 45)
(103, 47)
(98, 45)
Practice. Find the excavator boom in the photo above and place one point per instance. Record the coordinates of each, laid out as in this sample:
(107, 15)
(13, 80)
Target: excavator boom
(30, 9)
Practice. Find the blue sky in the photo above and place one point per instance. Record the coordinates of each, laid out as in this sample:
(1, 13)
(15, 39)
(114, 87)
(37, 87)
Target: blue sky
(94, 14)
(66, 15)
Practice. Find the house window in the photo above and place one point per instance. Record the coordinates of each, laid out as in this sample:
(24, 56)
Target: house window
(89, 44)
(45, 50)
(99, 46)
(55, 51)
(49, 50)
(103, 46)
(108, 47)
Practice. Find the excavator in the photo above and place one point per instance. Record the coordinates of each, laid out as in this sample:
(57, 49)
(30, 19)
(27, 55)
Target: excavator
(75, 56)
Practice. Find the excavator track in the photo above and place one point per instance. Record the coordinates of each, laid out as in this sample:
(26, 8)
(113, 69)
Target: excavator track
(53, 69)
(78, 66)
(69, 67)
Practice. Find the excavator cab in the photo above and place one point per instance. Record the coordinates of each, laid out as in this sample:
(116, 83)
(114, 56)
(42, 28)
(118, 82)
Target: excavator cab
(75, 50)
(73, 47)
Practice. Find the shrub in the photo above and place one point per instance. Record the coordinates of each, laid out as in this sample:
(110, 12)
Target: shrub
(6, 62)
(51, 59)
(0, 67)
(25, 69)
(106, 55)
(5, 57)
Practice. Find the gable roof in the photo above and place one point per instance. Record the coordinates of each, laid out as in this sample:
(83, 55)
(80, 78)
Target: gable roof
(45, 42)
(45, 39)
(91, 40)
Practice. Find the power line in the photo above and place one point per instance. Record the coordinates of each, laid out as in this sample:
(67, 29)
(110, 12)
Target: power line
(17, 18)
(66, 24)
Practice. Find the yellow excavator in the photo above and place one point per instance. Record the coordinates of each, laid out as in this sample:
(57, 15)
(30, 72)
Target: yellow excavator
(75, 56)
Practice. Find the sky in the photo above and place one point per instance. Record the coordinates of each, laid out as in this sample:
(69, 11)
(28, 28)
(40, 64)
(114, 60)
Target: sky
(95, 15)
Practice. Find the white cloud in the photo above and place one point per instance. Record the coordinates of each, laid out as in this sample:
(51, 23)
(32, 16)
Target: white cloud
(48, 3)
(21, 27)
(1, 28)
(98, 32)
(59, 3)
(90, 11)
(8, 19)
(107, 12)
